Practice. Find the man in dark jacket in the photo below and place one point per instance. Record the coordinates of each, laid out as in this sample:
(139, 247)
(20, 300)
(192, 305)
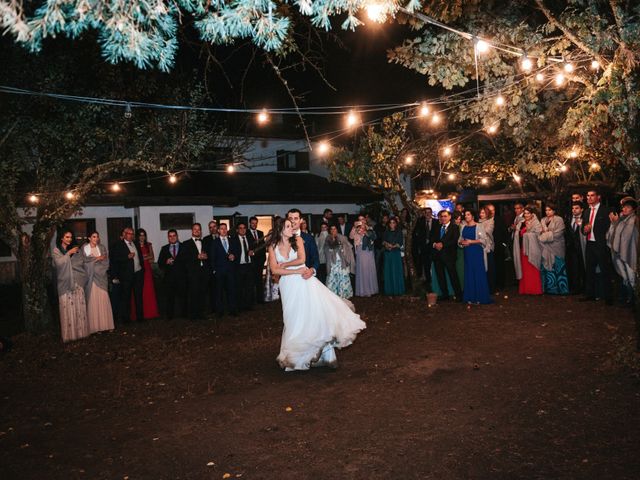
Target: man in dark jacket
(444, 240)
(225, 256)
(171, 262)
(197, 268)
(126, 266)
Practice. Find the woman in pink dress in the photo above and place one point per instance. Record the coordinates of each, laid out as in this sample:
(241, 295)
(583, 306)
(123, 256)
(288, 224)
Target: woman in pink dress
(149, 301)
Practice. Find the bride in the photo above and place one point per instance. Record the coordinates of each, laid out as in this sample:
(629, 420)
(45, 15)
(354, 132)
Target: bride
(315, 319)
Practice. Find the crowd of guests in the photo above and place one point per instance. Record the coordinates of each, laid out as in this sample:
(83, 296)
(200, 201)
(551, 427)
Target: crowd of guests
(459, 255)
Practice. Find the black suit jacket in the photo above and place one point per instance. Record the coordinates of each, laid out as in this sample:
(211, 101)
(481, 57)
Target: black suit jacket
(120, 265)
(259, 247)
(422, 235)
(219, 258)
(449, 241)
(175, 272)
(600, 225)
(189, 252)
(571, 237)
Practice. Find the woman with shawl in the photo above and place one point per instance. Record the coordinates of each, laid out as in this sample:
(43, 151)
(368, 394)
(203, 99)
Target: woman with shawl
(622, 239)
(338, 253)
(554, 268)
(96, 264)
(527, 253)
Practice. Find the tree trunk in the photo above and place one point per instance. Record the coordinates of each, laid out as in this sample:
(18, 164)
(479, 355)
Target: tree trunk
(33, 259)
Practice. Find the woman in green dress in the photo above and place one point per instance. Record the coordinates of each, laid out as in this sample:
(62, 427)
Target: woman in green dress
(393, 243)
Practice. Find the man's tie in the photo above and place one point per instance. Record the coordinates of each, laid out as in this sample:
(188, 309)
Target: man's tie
(173, 250)
(443, 230)
(255, 235)
(593, 211)
(225, 245)
(245, 249)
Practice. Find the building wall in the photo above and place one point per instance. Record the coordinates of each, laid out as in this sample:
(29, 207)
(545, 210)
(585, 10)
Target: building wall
(261, 155)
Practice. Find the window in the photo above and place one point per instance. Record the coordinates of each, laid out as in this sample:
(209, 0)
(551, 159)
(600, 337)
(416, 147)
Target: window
(292, 161)
(179, 221)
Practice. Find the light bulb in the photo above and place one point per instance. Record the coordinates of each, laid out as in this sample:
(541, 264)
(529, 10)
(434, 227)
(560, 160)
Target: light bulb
(451, 177)
(447, 151)
(435, 119)
(375, 12)
(408, 159)
(424, 110)
(127, 111)
(482, 46)
(323, 148)
(263, 116)
(568, 67)
(595, 65)
(454, 198)
(517, 178)
(539, 77)
(33, 198)
(559, 79)
(231, 168)
(173, 178)
(500, 100)
(116, 187)
(526, 64)
(492, 129)
(563, 168)
(573, 154)
(484, 181)
(352, 119)
(69, 195)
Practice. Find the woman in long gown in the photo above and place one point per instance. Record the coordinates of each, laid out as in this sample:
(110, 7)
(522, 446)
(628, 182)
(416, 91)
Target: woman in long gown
(96, 264)
(149, 300)
(393, 242)
(554, 267)
(622, 239)
(71, 280)
(366, 275)
(473, 239)
(316, 321)
(527, 253)
(320, 239)
(488, 223)
(338, 253)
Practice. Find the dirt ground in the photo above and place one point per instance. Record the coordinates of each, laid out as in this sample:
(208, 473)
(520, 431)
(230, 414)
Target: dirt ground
(526, 388)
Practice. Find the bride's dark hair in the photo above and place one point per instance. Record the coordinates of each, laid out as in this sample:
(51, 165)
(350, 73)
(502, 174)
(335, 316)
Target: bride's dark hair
(276, 234)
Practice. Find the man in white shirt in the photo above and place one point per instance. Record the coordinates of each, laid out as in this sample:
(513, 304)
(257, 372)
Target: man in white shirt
(197, 266)
(127, 267)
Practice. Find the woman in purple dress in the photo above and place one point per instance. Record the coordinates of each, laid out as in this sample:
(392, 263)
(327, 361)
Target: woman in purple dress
(366, 275)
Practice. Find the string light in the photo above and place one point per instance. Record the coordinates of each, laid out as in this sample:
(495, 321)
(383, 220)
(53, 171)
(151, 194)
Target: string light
(526, 64)
(323, 148)
(447, 151)
(482, 46)
(595, 65)
(375, 12)
(563, 168)
(424, 110)
(517, 178)
(454, 197)
(173, 179)
(568, 67)
(539, 77)
(408, 159)
(231, 168)
(559, 79)
(435, 119)
(492, 129)
(33, 198)
(484, 181)
(352, 119)
(127, 111)
(594, 166)
(263, 116)
(451, 177)
(69, 196)
(573, 154)
(500, 100)
(116, 187)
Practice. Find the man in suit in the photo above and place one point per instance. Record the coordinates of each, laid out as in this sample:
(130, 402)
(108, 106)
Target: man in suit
(344, 228)
(127, 267)
(197, 267)
(444, 240)
(259, 257)
(421, 245)
(595, 224)
(225, 256)
(327, 217)
(312, 258)
(206, 245)
(171, 262)
(245, 272)
(500, 239)
(575, 241)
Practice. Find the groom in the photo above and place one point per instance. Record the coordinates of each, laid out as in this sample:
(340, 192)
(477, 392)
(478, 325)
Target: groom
(312, 259)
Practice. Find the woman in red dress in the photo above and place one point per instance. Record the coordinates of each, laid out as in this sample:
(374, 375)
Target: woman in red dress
(528, 259)
(149, 301)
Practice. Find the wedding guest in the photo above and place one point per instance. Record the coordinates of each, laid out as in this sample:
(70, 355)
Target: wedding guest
(171, 262)
(458, 219)
(380, 228)
(366, 277)
(474, 240)
(127, 267)
(487, 221)
(259, 257)
(344, 228)
(393, 243)
(444, 241)
(622, 239)
(197, 265)
(71, 280)
(554, 268)
(149, 300)
(518, 210)
(320, 240)
(575, 242)
(96, 264)
(327, 217)
(245, 273)
(206, 247)
(527, 253)
(595, 225)
(421, 245)
(225, 256)
(435, 285)
(271, 290)
(500, 241)
(340, 263)
(304, 228)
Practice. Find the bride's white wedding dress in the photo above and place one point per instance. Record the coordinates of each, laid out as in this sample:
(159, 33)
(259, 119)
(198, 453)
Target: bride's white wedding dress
(315, 321)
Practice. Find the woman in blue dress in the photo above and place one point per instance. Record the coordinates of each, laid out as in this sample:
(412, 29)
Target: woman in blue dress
(393, 272)
(473, 239)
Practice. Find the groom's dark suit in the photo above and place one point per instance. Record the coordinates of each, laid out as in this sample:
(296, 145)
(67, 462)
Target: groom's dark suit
(312, 258)
(445, 259)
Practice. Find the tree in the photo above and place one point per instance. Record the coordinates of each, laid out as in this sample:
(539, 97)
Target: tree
(63, 152)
